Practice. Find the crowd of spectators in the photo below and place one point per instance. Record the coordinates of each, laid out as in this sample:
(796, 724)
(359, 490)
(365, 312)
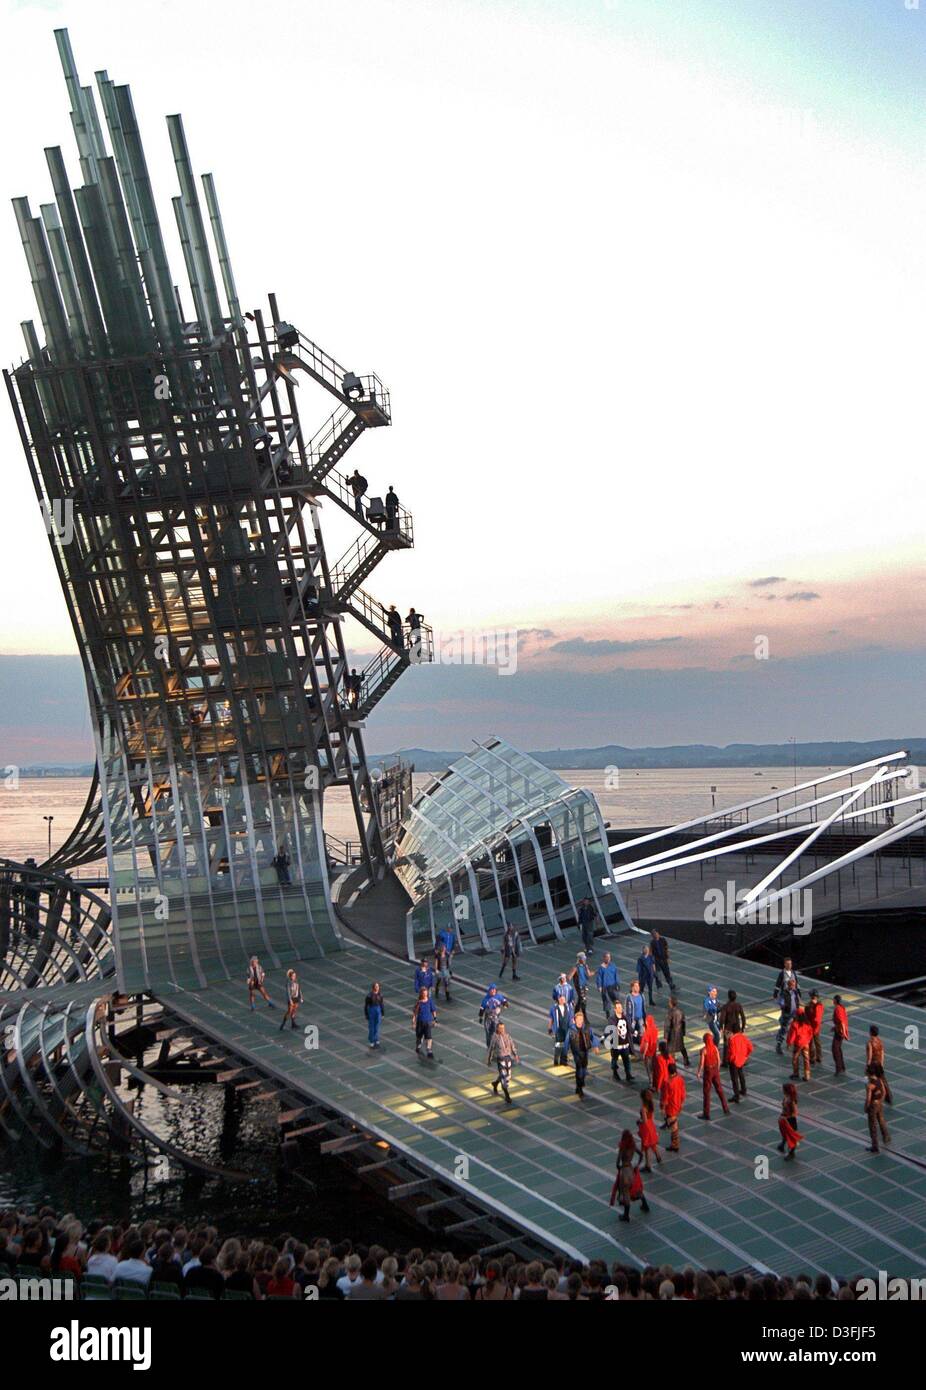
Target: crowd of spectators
(195, 1261)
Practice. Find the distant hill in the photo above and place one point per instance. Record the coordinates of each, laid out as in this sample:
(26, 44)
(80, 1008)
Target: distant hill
(694, 755)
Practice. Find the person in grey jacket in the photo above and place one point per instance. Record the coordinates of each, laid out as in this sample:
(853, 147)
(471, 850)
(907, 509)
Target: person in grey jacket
(503, 1051)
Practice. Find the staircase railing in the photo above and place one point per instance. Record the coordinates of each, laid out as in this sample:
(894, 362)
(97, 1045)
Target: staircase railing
(369, 611)
(346, 852)
(381, 673)
(329, 373)
(338, 488)
(355, 564)
(324, 442)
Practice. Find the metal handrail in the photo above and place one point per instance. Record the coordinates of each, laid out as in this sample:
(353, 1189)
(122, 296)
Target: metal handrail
(371, 609)
(338, 488)
(348, 852)
(388, 658)
(326, 367)
(323, 439)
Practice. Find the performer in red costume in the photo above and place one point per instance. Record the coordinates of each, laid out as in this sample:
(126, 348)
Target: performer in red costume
(787, 1121)
(709, 1072)
(840, 1033)
(661, 1062)
(800, 1040)
(739, 1048)
(814, 1012)
(649, 1044)
(672, 1096)
(649, 1134)
(628, 1185)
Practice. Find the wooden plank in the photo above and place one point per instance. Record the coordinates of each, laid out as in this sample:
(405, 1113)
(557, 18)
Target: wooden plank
(346, 1143)
(408, 1189)
(468, 1224)
(289, 1117)
(308, 1129)
(382, 1163)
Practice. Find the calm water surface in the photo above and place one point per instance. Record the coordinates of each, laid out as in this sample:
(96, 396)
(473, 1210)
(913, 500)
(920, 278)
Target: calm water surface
(642, 797)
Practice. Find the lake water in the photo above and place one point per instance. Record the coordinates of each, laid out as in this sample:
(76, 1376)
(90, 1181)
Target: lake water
(643, 797)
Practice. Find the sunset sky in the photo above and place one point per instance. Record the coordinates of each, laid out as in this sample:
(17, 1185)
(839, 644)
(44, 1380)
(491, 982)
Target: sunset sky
(647, 282)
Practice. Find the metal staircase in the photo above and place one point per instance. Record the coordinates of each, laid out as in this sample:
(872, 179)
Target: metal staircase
(359, 561)
(366, 395)
(329, 445)
(400, 536)
(307, 470)
(381, 673)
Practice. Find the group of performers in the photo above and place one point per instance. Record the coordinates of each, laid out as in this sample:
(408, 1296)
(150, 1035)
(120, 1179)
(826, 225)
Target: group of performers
(630, 1033)
(800, 1029)
(256, 980)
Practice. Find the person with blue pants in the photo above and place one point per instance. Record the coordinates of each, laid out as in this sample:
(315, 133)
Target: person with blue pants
(635, 1012)
(711, 1010)
(374, 1010)
(608, 982)
(449, 937)
(490, 1009)
(789, 1001)
(659, 949)
(587, 912)
(561, 1021)
(581, 1042)
(646, 973)
(424, 976)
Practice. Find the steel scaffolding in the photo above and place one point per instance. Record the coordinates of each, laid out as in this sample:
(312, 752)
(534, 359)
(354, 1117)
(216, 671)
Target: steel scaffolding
(182, 502)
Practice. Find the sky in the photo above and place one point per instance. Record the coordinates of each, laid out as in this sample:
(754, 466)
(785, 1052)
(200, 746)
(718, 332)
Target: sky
(646, 282)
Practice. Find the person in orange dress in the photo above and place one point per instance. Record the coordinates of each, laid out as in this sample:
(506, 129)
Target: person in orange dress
(649, 1134)
(660, 1069)
(628, 1185)
(649, 1044)
(800, 1038)
(814, 1012)
(672, 1096)
(840, 1033)
(787, 1121)
(709, 1073)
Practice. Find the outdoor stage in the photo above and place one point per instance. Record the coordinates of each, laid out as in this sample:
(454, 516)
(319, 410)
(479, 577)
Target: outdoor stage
(546, 1163)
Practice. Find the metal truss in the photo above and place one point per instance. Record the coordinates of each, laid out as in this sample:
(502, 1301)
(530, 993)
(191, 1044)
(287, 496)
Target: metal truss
(880, 806)
(182, 499)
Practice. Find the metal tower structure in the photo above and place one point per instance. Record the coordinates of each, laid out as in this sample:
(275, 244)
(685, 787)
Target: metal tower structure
(181, 497)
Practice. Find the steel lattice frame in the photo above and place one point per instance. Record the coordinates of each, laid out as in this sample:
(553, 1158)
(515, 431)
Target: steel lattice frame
(181, 498)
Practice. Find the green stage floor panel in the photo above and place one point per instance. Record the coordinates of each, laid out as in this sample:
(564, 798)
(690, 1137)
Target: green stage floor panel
(549, 1160)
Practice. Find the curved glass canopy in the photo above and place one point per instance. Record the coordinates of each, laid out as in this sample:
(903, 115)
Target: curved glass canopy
(498, 838)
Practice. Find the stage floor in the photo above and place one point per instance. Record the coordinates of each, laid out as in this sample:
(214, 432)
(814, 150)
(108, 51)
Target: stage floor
(547, 1161)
